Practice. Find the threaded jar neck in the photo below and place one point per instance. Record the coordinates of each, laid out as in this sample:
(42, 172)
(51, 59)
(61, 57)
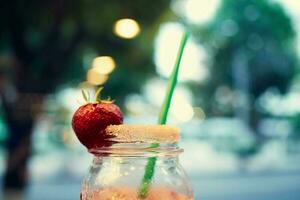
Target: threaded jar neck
(138, 149)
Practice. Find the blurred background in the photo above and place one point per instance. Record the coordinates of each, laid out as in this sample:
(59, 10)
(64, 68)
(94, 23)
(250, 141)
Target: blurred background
(237, 101)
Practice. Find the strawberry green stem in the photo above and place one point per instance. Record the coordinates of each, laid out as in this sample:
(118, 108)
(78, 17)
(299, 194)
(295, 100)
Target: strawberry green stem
(98, 94)
(150, 167)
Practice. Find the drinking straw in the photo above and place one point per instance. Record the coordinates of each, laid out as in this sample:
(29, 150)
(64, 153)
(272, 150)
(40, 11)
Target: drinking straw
(150, 167)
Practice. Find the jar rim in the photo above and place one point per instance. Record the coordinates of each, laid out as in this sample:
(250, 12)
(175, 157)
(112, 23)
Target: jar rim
(130, 133)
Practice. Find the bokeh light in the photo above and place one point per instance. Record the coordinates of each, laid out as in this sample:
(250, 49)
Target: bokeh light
(196, 11)
(166, 45)
(181, 109)
(96, 78)
(104, 64)
(199, 113)
(154, 91)
(126, 28)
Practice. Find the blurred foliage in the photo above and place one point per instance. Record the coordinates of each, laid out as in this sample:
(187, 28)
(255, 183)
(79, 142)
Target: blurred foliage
(3, 129)
(250, 44)
(47, 40)
(296, 126)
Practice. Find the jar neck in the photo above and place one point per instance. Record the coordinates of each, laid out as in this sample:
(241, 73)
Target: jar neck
(138, 150)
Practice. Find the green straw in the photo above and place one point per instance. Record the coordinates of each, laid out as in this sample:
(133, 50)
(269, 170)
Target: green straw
(150, 167)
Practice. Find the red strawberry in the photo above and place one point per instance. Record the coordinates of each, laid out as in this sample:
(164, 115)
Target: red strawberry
(90, 121)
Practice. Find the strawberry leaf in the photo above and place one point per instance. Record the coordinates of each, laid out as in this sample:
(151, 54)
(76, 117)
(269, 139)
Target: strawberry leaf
(84, 95)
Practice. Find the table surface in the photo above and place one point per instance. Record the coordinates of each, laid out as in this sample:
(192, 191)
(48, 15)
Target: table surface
(262, 186)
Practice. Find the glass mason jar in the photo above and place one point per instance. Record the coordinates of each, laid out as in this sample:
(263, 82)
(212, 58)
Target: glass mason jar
(117, 173)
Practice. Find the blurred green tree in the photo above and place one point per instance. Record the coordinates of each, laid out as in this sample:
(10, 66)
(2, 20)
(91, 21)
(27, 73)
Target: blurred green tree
(42, 44)
(250, 44)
